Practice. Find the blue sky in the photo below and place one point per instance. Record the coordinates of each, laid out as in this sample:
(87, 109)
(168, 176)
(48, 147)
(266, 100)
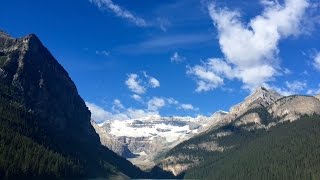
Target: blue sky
(174, 57)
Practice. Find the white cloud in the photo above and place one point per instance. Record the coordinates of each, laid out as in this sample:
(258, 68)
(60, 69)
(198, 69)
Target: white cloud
(316, 61)
(97, 113)
(291, 88)
(176, 58)
(287, 71)
(139, 113)
(117, 105)
(140, 84)
(134, 84)
(187, 107)
(153, 82)
(256, 76)
(250, 50)
(252, 44)
(269, 2)
(208, 74)
(155, 104)
(100, 115)
(136, 97)
(103, 52)
(313, 91)
(120, 12)
(296, 85)
(172, 101)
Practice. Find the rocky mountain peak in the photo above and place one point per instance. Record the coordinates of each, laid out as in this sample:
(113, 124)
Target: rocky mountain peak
(263, 93)
(261, 97)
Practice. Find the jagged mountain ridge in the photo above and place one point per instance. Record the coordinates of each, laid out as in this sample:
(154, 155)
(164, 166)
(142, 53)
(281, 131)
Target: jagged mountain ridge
(143, 141)
(45, 124)
(261, 110)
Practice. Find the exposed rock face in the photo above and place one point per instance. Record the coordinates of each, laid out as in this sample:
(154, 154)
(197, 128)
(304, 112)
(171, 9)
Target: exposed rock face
(292, 107)
(112, 142)
(42, 84)
(261, 110)
(318, 96)
(178, 164)
(249, 118)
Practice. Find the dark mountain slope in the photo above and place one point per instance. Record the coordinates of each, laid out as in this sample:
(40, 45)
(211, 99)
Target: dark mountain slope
(45, 126)
(287, 151)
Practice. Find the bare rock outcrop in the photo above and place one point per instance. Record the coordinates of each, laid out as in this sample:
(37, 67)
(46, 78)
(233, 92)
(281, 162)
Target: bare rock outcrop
(293, 107)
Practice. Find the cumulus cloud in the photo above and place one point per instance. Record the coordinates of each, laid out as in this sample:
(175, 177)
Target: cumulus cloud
(177, 58)
(99, 115)
(178, 105)
(251, 49)
(139, 84)
(187, 107)
(134, 84)
(136, 97)
(156, 103)
(119, 11)
(207, 74)
(153, 82)
(256, 43)
(316, 61)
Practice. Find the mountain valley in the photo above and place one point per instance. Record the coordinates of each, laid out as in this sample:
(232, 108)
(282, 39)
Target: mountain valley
(47, 131)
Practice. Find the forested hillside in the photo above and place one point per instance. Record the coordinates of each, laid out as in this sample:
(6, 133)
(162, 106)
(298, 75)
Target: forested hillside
(287, 151)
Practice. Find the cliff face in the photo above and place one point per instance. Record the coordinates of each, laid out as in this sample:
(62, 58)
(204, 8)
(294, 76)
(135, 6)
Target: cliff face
(41, 103)
(292, 107)
(41, 84)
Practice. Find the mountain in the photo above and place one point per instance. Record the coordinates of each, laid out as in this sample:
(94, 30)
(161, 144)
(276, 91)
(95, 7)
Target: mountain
(260, 112)
(143, 141)
(45, 125)
(286, 151)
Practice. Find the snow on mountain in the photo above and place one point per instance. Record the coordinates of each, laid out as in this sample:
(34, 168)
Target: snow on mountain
(142, 140)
